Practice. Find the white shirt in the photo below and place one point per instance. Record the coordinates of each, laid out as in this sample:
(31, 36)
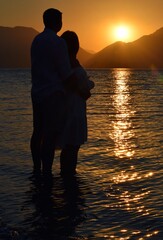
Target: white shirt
(50, 64)
(75, 129)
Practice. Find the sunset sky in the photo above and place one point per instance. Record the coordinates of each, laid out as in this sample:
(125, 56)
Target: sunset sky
(97, 22)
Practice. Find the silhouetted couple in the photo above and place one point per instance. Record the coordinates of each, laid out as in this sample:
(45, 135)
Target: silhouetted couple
(60, 88)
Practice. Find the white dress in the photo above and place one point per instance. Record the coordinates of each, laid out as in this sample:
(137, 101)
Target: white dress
(75, 130)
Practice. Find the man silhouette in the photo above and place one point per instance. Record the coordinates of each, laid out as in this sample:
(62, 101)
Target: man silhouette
(50, 68)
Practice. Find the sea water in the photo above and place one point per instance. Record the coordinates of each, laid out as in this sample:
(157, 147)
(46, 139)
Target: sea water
(118, 190)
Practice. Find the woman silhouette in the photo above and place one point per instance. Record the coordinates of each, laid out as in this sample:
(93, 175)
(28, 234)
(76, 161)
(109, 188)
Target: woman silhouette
(75, 130)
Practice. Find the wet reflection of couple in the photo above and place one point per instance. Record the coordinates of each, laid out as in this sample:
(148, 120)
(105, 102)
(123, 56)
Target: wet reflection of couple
(58, 208)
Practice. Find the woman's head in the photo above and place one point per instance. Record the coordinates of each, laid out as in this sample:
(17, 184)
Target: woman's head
(72, 41)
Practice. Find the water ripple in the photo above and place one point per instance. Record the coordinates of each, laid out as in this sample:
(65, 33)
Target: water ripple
(117, 193)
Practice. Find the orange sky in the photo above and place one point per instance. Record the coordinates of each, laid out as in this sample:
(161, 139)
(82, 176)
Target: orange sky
(93, 20)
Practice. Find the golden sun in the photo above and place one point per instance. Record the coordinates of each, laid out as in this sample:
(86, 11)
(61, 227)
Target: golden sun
(121, 33)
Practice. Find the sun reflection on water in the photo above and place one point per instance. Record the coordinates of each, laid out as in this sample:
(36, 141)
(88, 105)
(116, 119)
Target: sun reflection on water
(122, 133)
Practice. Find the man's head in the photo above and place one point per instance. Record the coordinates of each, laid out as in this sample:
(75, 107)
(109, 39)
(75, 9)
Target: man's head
(52, 19)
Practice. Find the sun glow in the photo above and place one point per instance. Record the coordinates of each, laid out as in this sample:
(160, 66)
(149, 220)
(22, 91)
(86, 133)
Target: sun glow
(121, 33)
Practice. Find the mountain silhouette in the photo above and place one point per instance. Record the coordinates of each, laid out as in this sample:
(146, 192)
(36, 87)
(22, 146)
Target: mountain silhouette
(146, 52)
(84, 56)
(15, 44)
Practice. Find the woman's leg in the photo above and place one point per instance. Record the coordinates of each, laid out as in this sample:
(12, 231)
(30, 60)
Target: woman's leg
(68, 159)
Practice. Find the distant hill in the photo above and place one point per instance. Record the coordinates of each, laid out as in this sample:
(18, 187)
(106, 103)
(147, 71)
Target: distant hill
(15, 46)
(84, 56)
(145, 52)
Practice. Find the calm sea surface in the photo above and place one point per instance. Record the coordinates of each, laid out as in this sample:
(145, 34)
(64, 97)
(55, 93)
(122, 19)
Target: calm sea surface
(118, 191)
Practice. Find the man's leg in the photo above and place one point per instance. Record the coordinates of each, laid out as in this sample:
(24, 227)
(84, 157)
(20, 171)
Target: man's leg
(47, 152)
(36, 139)
(35, 146)
(53, 122)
